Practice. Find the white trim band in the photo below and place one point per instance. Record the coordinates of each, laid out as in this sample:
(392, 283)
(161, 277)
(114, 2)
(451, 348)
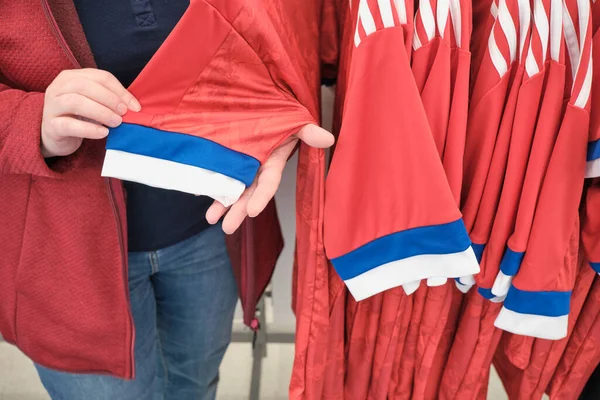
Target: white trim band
(171, 175)
(436, 281)
(592, 168)
(400, 272)
(501, 284)
(411, 287)
(538, 326)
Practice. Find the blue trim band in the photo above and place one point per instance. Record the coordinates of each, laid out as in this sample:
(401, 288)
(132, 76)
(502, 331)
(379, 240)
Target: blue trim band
(487, 293)
(595, 266)
(593, 150)
(478, 249)
(511, 262)
(184, 149)
(550, 304)
(436, 239)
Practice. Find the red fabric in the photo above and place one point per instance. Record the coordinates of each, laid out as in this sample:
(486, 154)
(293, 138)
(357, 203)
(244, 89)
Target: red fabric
(61, 223)
(311, 296)
(234, 91)
(582, 354)
(471, 354)
(526, 365)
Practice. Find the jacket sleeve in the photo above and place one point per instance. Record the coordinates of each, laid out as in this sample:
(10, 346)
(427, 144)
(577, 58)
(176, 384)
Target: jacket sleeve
(390, 216)
(538, 302)
(20, 122)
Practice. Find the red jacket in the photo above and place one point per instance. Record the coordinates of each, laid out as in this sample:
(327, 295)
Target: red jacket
(63, 270)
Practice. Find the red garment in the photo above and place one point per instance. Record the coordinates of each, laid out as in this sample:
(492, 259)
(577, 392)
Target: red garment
(485, 113)
(538, 300)
(502, 182)
(312, 276)
(440, 65)
(526, 365)
(495, 86)
(442, 305)
(56, 224)
(371, 251)
(206, 128)
(582, 354)
(533, 144)
(466, 366)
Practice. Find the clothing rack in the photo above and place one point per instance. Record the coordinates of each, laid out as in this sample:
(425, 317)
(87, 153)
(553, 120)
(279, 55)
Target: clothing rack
(259, 340)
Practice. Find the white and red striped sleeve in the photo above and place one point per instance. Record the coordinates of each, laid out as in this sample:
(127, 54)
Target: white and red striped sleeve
(486, 109)
(538, 302)
(538, 148)
(494, 208)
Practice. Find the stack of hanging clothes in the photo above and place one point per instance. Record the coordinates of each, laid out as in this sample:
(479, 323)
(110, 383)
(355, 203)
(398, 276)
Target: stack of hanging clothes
(446, 105)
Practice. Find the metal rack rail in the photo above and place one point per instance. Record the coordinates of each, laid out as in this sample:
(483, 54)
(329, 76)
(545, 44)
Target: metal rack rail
(259, 340)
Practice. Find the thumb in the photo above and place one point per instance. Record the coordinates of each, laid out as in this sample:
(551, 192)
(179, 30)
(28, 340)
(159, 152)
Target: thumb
(315, 136)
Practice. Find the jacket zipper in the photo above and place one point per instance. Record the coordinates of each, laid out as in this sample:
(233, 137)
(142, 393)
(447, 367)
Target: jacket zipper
(130, 372)
(58, 34)
(111, 194)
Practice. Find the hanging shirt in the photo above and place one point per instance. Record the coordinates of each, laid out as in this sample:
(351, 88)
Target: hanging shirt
(407, 213)
(123, 36)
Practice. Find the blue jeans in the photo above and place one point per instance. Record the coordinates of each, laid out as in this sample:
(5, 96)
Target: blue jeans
(183, 299)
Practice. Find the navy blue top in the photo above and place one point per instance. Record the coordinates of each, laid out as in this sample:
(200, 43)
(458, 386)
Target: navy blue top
(123, 36)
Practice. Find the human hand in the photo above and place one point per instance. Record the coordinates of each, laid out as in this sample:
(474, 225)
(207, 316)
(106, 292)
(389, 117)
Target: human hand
(80, 104)
(256, 197)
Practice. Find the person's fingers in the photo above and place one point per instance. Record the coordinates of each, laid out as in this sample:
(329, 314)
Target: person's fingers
(94, 91)
(109, 81)
(315, 136)
(215, 212)
(237, 213)
(81, 106)
(73, 127)
(266, 187)
(254, 200)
